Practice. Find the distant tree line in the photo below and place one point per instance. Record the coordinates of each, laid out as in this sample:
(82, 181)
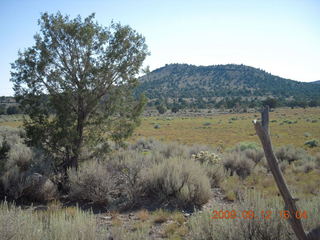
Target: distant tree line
(163, 105)
(9, 110)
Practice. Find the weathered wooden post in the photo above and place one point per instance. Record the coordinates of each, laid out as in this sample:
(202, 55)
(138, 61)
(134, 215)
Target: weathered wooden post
(262, 130)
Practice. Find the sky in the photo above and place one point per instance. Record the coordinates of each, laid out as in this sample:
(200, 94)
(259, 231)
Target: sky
(281, 37)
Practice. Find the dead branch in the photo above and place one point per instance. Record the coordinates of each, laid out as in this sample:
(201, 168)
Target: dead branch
(262, 130)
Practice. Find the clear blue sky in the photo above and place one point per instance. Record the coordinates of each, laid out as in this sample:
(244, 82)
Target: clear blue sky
(281, 36)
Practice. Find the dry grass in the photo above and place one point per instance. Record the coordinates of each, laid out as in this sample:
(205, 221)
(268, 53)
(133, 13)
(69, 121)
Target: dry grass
(288, 126)
(203, 227)
(160, 216)
(143, 215)
(63, 224)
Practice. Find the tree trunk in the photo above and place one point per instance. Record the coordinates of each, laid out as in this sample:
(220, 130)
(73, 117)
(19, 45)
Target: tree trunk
(262, 131)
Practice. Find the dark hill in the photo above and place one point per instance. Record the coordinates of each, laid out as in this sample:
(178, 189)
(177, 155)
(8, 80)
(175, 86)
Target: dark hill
(189, 81)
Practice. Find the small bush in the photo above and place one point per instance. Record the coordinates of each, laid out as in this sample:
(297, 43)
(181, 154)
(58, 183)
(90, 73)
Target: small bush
(312, 143)
(237, 162)
(206, 158)
(19, 155)
(180, 181)
(212, 164)
(196, 148)
(242, 146)
(144, 144)
(215, 174)
(92, 182)
(317, 160)
(307, 134)
(14, 183)
(308, 167)
(127, 167)
(290, 154)
(255, 155)
(174, 150)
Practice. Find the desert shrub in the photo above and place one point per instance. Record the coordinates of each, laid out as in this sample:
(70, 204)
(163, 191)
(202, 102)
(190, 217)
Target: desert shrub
(144, 144)
(183, 182)
(19, 155)
(283, 166)
(18, 165)
(8, 137)
(307, 134)
(4, 149)
(212, 164)
(15, 161)
(216, 174)
(255, 155)
(169, 149)
(174, 150)
(242, 146)
(308, 167)
(290, 154)
(244, 167)
(196, 148)
(206, 158)
(126, 167)
(92, 182)
(312, 143)
(237, 162)
(13, 182)
(317, 160)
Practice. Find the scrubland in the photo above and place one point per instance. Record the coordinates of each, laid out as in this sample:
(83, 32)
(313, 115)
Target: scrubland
(165, 187)
(287, 126)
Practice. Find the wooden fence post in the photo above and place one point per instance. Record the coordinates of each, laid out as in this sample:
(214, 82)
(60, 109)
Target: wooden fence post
(262, 130)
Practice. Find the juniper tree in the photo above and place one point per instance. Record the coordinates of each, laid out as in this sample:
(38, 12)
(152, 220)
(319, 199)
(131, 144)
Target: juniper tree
(75, 85)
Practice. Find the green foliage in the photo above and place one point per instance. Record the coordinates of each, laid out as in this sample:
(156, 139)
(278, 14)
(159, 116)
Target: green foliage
(175, 109)
(271, 102)
(225, 86)
(161, 109)
(242, 146)
(12, 110)
(312, 143)
(2, 109)
(83, 73)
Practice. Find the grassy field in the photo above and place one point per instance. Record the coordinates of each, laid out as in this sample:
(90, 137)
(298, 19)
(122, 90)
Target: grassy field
(287, 126)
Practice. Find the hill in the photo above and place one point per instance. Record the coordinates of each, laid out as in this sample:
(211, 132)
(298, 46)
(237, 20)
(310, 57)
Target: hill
(189, 81)
(316, 82)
